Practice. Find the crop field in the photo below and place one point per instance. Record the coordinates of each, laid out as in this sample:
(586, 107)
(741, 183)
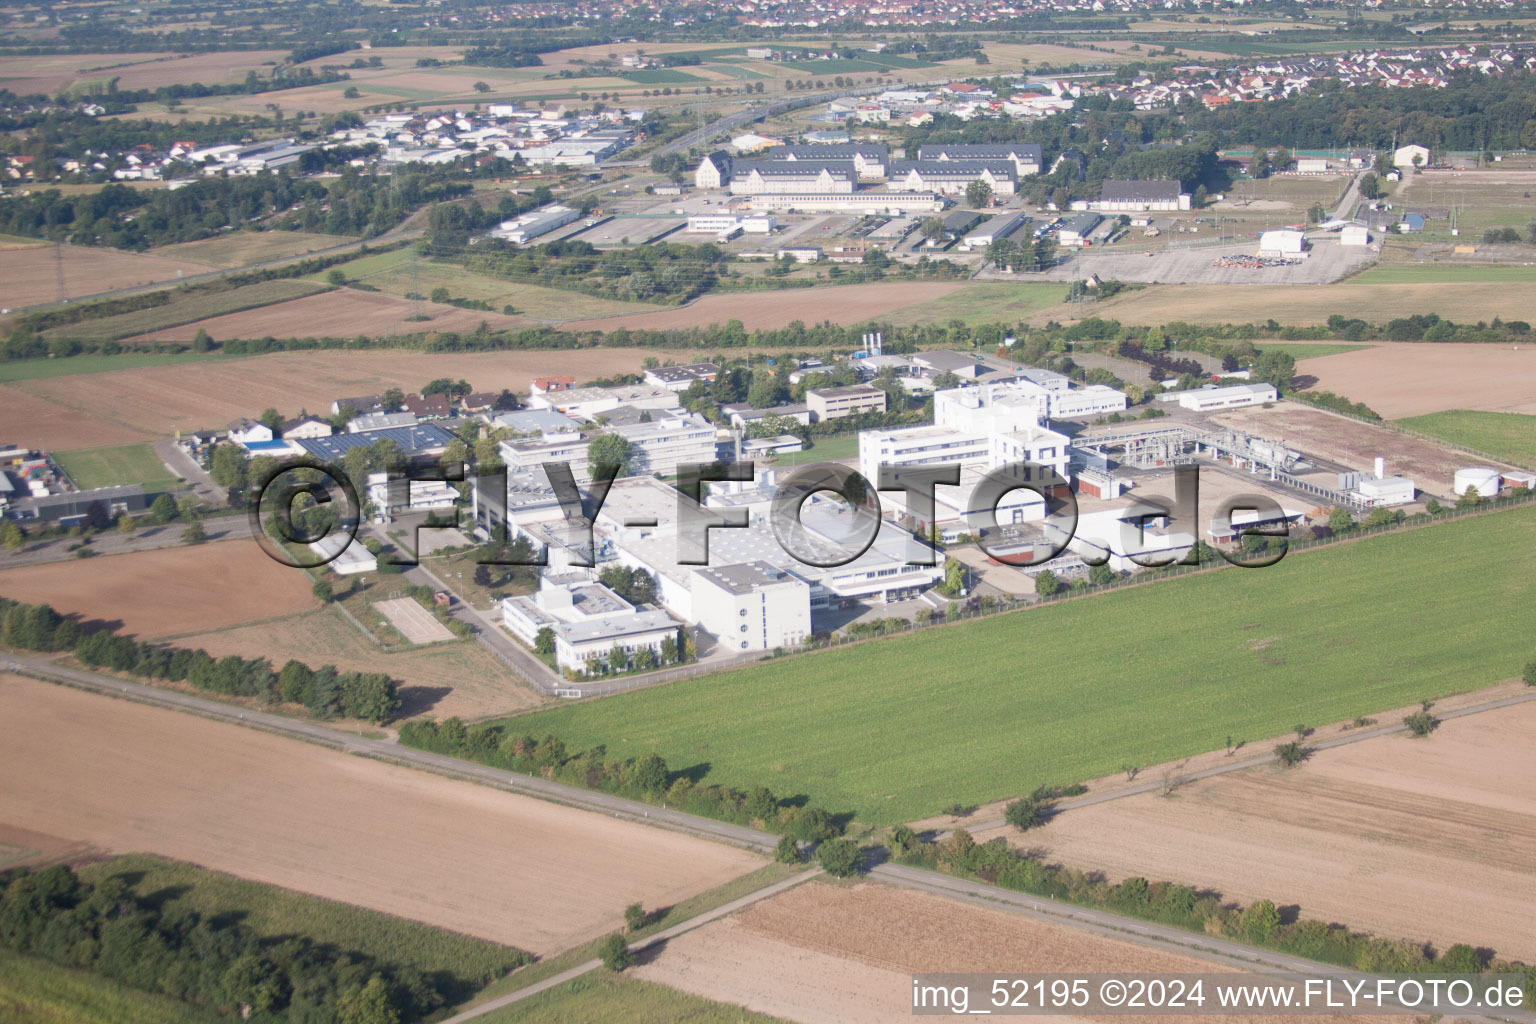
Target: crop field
(660, 76)
(1414, 378)
(273, 912)
(1300, 350)
(462, 679)
(336, 313)
(1301, 304)
(877, 728)
(1508, 435)
(466, 858)
(55, 73)
(90, 468)
(185, 308)
(95, 409)
(31, 275)
(38, 369)
(839, 954)
(1447, 818)
(1439, 273)
(240, 248)
(602, 996)
(841, 304)
(985, 302)
(168, 591)
(34, 991)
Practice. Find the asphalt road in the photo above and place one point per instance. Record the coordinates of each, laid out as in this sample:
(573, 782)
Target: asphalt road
(110, 542)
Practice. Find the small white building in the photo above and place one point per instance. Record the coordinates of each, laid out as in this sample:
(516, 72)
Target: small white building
(1233, 397)
(1410, 155)
(1354, 234)
(1282, 242)
(246, 431)
(347, 555)
(1393, 490)
(752, 606)
(587, 620)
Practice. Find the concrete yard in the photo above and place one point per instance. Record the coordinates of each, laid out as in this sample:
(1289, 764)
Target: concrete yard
(413, 621)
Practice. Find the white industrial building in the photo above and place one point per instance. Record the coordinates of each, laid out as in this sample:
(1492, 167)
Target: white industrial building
(752, 606)
(727, 224)
(1354, 234)
(1410, 155)
(1230, 397)
(1001, 226)
(666, 443)
(1282, 242)
(521, 230)
(587, 620)
(852, 400)
(861, 203)
(1392, 490)
(400, 497)
(347, 555)
(1117, 196)
(590, 403)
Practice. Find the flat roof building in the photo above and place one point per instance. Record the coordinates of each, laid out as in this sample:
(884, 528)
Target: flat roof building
(835, 403)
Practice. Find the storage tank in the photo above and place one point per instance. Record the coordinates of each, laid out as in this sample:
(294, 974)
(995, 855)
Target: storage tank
(1484, 478)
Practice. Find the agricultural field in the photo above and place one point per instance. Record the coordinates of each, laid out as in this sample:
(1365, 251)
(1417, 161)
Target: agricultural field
(1440, 273)
(838, 954)
(41, 274)
(1348, 834)
(243, 248)
(168, 591)
(91, 468)
(466, 858)
(601, 996)
(187, 308)
(1302, 304)
(273, 912)
(462, 679)
(334, 313)
(979, 303)
(841, 304)
(873, 728)
(38, 369)
(1405, 379)
(34, 991)
(1507, 435)
(1300, 350)
(59, 72)
(151, 402)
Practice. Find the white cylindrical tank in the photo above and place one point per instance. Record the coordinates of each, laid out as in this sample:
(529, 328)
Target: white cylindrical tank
(1381, 468)
(1484, 478)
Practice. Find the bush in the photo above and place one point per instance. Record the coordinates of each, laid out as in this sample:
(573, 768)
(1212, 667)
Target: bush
(1292, 754)
(788, 851)
(614, 952)
(839, 857)
(1027, 813)
(635, 917)
(1421, 723)
(1529, 675)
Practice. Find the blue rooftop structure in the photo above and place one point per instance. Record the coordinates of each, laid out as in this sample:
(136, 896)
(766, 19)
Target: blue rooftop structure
(422, 439)
(1413, 222)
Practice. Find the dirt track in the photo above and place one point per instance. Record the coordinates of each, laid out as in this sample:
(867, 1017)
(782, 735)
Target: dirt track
(515, 870)
(824, 953)
(1424, 839)
(843, 304)
(1411, 379)
(169, 591)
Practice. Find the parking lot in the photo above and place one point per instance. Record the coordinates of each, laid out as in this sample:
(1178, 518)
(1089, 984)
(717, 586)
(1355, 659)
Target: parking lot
(1327, 262)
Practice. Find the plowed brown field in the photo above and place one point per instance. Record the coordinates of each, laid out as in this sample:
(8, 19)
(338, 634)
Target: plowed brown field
(169, 591)
(841, 304)
(1400, 380)
(1426, 839)
(29, 275)
(515, 870)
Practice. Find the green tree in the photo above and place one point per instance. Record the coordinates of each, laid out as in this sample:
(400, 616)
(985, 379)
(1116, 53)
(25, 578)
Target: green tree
(651, 775)
(979, 194)
(607, 453)
(838, 857)
(162, 510)
(932, 227)
(954, 577)
(788, 851)
(482, 87)
(194, 533)
(125, 524)
(1340, 520)
(1471, 499)
(1046, 583)
(1026, 814)
(367, 1004)
(544, 641)
(448, 227)
(337, 277)
(12, 536)
(614, 952)
(1292, 754)
(392, 399)
(1529, 675)
(455, 454)
(1421, 723)
(322, 591)
(635, 917)
(1260, 921)
(1099, 575)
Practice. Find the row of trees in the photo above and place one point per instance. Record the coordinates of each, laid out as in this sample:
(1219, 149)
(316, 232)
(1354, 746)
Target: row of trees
(646, 778)
(212, 959)
(325, 692)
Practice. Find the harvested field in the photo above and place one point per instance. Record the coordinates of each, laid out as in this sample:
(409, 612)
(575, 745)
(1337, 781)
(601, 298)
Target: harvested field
(841, 304)
(342, 313)
(118, 406)
(468, 858)
(52, 74)
(239, 248)
(1352, 443)
(1463, 301)
(169, 591)
(454, 679)
(1414, 378)
(825, 953)
(1450, 819)
(188, 307)
(29, 276)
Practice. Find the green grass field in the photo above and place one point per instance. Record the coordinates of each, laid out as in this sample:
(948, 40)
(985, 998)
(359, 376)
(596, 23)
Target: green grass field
(34, 991)
(39, 369)
(1430, 273)
(1308, 349)
(271, 912)
(660, 76)
(604, 996)
(1507, 435)
(897, 728)
(90, 468)
(984, 302)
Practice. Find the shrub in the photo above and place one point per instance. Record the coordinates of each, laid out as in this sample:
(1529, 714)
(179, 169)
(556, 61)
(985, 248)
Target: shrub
(635, 917)
(1292, 754)
(1421, 723)
(788, 851)
(839, 857)
(1529, 675)
(1026, 814)
(614, 952)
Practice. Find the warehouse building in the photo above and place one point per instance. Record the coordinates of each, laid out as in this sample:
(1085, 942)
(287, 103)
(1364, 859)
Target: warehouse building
(835, 403)
(1213, 397)
(1075, 230)
(1002, 226)
(523, 229)
(860, 203)
(1283, 242)
(1140, 196)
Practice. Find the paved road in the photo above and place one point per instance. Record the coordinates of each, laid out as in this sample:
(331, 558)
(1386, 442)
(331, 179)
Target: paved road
(170, 452)
(1255, 762)
(111, 542)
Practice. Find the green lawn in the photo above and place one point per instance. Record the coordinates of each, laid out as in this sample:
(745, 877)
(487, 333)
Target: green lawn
(985, 302)
(604, 996)
(90, 468)
(38, 369)
(1397, 273)
(1507, 435)
(1308, 349)
(827, 449)
(659, 76)
(34, 991)
(271, 911)
(897, 728)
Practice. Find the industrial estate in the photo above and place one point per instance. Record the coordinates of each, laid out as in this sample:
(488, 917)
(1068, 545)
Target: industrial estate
(587, 511)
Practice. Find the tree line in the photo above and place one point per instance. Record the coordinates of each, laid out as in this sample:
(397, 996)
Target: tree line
(212, 959)
(325, 692)
(646, 778)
